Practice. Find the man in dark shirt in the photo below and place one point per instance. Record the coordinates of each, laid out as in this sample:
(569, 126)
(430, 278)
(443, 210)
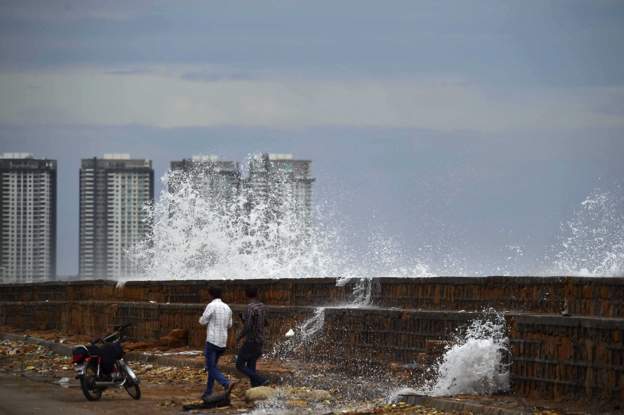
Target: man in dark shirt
(253, 335)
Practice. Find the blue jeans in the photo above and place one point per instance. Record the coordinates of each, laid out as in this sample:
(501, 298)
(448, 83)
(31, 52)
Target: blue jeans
(248, 355)
(212, 354)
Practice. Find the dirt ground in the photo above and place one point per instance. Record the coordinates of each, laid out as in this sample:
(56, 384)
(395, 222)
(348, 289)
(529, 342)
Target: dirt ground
(34, 379)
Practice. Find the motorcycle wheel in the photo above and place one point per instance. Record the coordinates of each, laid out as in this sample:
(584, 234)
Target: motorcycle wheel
(133, 390)
(86, 384)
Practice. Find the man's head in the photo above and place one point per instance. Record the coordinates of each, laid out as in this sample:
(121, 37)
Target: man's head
(251, 292)
(215, 292)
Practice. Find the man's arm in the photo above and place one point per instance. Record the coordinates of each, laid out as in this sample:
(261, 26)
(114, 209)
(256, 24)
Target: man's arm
(262, 316)
(205, 318)
(247, 324)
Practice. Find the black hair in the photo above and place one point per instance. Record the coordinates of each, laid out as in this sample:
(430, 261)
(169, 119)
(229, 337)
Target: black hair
(251, 292)
(215, 292)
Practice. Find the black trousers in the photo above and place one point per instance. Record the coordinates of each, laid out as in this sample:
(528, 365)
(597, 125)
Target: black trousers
(248, 355)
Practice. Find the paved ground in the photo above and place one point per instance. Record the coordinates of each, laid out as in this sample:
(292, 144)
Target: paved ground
(20, 395)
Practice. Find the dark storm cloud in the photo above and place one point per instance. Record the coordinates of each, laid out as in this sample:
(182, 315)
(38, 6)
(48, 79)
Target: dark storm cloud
(557, 42)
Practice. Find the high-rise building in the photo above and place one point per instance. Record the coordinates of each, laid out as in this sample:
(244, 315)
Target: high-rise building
(113, 192)
(27, 218)
(215, 180)
(281, 181)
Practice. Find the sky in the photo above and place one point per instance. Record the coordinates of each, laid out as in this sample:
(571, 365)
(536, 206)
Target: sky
(456, 129)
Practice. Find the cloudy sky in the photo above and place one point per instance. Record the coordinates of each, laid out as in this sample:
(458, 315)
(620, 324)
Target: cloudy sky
(464, 128)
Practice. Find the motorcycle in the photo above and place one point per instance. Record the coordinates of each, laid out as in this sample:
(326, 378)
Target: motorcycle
(100, 365)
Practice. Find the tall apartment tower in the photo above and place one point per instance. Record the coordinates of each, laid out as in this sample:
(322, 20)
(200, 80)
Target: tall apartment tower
(279, 179)
(214, 179)
(113, 192)
(27, 218)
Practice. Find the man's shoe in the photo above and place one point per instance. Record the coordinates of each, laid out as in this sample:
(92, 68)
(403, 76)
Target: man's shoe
(265, 383)
(230, 386)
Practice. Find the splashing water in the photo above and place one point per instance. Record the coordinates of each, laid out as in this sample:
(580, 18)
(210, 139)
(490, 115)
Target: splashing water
(313, 325)
(592, 242)
(302, 335)
(474, 363)
(233, 233)
(230, 234)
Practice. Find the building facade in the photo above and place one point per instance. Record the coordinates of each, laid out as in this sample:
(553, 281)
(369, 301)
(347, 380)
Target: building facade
(215, 180)
(27, 218)
(281, 182)
(113, 192)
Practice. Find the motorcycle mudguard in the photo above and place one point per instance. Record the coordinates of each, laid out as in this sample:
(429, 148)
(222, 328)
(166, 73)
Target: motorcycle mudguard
(129, 372)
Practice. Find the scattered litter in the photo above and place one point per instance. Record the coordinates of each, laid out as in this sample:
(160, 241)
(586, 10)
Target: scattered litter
(63, 382)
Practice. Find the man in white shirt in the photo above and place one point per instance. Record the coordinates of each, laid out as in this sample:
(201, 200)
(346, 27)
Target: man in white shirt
(217, 318)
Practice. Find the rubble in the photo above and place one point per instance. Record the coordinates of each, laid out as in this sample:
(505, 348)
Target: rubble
(260, 393)
(175, 338)
(317, 395)
(63, 382)
(17, 356)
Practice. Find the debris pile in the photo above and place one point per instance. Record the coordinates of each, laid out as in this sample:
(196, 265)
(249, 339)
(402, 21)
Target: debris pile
(20, 357)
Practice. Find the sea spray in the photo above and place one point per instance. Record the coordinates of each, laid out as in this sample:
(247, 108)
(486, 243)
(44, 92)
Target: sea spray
(229, 234)
(475, 361)
(361, 294)
(232, 234)
(592, 242)
(308, 330)
(301, 336)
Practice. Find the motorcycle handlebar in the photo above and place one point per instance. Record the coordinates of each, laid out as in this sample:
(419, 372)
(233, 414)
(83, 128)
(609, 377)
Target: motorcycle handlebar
(116, 334)
(122, 327)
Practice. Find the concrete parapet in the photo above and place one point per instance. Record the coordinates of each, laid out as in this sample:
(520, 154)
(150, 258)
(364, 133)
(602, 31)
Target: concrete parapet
(576, 295)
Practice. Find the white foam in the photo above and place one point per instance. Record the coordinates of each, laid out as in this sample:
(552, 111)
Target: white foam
(474, 363)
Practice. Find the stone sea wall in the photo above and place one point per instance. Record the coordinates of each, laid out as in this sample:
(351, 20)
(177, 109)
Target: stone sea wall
(553, 356)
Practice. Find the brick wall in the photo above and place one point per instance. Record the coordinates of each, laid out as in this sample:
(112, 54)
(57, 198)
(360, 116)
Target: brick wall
(582, 296)
(562, 357)
(149, 321)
